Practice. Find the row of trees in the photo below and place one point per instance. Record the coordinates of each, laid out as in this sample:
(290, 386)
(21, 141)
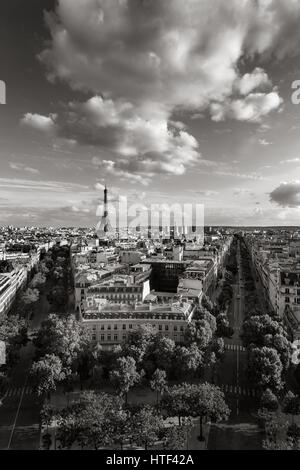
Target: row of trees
(60, 345)
(265, 337)
(151, 351)
(57, 262)
(13, 332)
(103, 420)
(219, 310)
(64, 353)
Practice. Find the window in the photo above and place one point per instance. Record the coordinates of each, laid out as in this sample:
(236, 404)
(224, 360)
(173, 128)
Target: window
(181, 328)
(102, 327)
(94, 337)
(115, 327)
(160, 327)
(130, 327)
(124, 327)
(102, 337)
(108, 327)
(108, 337)
(175, 337)
(94, 327)
(175, 327)
(115, 337)
(287, 291)
(166, 327)
(287, 300)
(124, 337)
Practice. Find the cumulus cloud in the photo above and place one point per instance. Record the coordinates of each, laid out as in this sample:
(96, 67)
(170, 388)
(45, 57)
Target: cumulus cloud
(143, 61)
(251, 108)
(143, 143)
(287, 194)
(251, 81)
(39, 122)
(175, 53)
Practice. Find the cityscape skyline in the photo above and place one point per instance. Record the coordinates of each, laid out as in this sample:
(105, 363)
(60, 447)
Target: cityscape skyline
(149, 228)
(195, 118)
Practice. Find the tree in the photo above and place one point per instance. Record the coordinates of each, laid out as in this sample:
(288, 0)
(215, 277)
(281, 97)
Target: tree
(218, 347)
(65, 337)
(293, 432)
(125, 375)
(257, 327)
(138, 341)
(38, 280)
(46, 415)
(291, 405)
(159, 354)
(175, 401)
(269, 400)
(13, 331)
(265, 368)
(46, 373)
(199, 332)
(188, 359)
(30, 296)
(87, 359)
(207, 401)
(159, 383)
(145, 426)
(223, 326)
(92, 421)
(175, 437)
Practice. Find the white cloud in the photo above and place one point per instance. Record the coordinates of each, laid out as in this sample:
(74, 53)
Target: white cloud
(250, 176)
(39, 122)
(251, 81)
(292, 215)
(21, 167)
(290, 160)
(99, 187)
(264, 142)
(167, 53)
(251, 108)
(149, 142)
(242, 192)
(144, 61)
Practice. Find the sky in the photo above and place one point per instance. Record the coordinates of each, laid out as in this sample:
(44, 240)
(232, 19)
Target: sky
(163, 101)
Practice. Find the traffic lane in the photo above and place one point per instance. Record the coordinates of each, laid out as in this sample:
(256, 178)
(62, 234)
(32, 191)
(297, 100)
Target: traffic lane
(27, 420)
(239, 432)
(26, 433)
(227, 372)
(7, 416)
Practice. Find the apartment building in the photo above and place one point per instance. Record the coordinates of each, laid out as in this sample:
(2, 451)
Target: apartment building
(277, 266)
(110, 323)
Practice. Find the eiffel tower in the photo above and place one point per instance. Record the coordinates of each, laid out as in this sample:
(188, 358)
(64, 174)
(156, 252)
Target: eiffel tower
(104, 229)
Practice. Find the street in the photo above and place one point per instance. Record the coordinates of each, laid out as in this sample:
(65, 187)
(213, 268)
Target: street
(19, 413)
(240, 432)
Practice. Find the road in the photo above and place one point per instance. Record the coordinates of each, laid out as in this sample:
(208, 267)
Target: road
(19, 414)
(240, 432)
